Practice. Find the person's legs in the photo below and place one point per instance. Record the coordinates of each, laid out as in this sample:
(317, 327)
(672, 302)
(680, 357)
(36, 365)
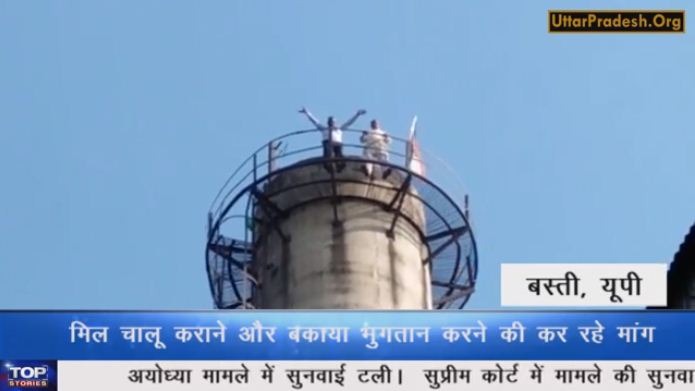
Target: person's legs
(327, 154)
(338, 150)
(383, 156)
(367, 167)
(338, 153)
(372, 154)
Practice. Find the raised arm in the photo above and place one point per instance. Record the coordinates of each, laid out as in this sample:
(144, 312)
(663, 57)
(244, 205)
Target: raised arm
(311, 118)
(353, 119)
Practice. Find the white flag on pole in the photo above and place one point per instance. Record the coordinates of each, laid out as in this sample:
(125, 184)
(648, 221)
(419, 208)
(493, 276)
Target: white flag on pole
(414, 159)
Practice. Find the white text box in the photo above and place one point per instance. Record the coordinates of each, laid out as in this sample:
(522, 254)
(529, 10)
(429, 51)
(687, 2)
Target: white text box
(583, 284)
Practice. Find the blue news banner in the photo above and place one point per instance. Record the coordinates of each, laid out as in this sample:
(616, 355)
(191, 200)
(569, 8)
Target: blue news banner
(75, 350)
(347, 335)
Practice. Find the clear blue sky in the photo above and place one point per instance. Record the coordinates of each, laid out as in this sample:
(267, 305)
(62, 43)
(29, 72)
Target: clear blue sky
(120, 120)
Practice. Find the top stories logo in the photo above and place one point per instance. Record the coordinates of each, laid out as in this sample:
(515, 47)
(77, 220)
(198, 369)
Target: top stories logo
(28, 375)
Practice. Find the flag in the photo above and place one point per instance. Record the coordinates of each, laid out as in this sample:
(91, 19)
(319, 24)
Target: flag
(413, 156)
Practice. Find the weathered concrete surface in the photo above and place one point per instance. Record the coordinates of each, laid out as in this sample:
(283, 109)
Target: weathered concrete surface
(350, 263)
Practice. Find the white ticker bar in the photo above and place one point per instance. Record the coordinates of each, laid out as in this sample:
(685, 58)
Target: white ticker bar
(376, 375)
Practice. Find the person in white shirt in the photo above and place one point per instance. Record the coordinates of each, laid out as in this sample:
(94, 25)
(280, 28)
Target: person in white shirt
(332, 134)
(376, 143)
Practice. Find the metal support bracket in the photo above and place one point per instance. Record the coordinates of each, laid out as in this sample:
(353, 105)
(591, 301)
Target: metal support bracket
(455, 234)
(272, 210)
(398, 197)
(334, 197)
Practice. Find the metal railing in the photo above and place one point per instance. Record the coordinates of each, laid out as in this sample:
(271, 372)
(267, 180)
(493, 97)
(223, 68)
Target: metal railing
(260, 161)
(448, 234)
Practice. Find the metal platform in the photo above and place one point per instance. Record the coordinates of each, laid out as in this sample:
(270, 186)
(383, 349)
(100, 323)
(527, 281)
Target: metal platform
(452, 254)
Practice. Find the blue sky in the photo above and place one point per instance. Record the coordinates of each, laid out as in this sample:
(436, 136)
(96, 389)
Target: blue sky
(120, 120)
